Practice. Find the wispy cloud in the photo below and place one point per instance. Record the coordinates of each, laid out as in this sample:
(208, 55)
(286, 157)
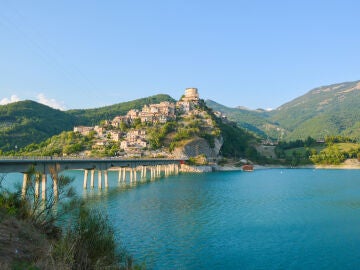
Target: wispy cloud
(13, 98)
(41, 98)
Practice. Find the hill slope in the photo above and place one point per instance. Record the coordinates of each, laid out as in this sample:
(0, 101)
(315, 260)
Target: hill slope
(256, 121)
(327, 110)
(94, 116)
(27, 121)
(323, 111)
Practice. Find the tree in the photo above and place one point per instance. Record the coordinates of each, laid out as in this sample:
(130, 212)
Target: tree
(41, 212)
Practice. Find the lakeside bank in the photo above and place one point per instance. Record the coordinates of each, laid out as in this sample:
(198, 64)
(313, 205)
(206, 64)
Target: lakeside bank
(349, 164)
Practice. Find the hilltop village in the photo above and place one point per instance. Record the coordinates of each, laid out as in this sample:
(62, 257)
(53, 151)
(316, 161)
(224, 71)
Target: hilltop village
(130, 133)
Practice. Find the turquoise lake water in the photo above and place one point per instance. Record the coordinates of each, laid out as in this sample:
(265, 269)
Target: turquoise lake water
(267, 219)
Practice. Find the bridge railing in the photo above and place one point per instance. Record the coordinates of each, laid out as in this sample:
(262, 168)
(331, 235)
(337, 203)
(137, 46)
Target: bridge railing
(41, 158)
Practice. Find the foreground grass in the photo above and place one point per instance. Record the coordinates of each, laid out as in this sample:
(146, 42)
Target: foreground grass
(37, 243)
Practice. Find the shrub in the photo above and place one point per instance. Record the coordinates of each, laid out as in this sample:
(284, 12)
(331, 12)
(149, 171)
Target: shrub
(90, 244)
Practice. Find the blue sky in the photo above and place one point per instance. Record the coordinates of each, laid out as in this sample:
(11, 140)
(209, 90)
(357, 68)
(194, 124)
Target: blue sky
(258, 54)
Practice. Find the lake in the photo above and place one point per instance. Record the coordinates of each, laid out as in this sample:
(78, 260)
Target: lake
(267, 219)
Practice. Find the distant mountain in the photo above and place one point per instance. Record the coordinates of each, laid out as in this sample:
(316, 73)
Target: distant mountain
(256, 121)
(26, 122)
(326, 110)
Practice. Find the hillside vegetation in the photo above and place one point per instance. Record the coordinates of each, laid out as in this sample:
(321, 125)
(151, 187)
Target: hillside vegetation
(199, 132)
(26, 122)
(256, 121)
(322, 112)
(333, 151)
(325, 111)
(94, 116)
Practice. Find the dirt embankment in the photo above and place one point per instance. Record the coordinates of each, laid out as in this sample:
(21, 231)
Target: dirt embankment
(20, 242)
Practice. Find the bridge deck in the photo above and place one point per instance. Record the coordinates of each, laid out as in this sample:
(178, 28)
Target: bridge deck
(43, 164)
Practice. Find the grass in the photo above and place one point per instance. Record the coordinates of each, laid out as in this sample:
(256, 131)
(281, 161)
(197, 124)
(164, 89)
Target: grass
(302, 150)
(346, 147)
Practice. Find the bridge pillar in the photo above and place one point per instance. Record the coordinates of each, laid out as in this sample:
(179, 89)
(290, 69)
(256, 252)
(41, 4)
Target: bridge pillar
(99, 179)
(135, 174)
(124, 175)
(106, 178)
(131, 175)
(92, 178)
(24, 185)
(119, 176)
(55, 186)
(86, 172)
(37, 185)
(152, 171)
(43, 187)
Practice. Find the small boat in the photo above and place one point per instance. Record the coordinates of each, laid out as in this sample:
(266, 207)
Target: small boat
(248, 168)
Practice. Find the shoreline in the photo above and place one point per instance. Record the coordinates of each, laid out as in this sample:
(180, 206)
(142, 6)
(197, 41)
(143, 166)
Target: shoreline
(350, 164)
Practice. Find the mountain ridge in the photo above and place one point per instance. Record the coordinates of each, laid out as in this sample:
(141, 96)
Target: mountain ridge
(322, 111)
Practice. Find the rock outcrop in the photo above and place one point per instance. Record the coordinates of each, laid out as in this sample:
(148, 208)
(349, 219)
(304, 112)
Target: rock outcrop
(199, 146)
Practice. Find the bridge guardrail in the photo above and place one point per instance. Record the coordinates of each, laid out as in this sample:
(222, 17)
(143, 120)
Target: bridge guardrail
(41, 158)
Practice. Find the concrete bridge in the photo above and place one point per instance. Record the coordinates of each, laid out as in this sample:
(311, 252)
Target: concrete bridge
(126, 168)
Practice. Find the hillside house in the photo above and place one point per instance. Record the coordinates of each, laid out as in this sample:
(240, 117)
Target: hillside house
(115, 135)
(99, 130)
(183, 106)
(136, 144)
(133, 135)
(83, 130)
(124, 145)
(132, 115)
(147, 117)
(118, 120)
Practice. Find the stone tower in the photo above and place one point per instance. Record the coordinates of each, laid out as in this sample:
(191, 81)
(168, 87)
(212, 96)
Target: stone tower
(191, 94)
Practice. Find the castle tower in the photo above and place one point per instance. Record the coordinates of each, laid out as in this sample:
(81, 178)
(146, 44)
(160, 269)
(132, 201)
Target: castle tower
(191, 94)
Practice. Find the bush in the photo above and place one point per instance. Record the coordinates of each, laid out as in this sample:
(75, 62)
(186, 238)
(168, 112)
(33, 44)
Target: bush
(90, 244)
